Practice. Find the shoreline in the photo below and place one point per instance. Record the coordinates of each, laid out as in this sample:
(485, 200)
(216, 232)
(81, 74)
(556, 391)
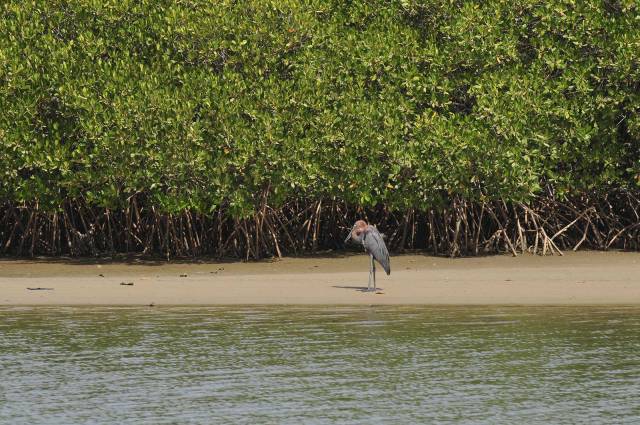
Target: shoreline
(582, 278)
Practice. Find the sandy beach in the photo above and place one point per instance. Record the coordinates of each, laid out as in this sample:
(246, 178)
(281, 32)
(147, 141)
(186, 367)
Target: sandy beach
(574, 279)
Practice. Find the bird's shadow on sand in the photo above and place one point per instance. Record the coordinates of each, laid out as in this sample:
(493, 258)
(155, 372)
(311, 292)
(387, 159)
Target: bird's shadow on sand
(357, 288)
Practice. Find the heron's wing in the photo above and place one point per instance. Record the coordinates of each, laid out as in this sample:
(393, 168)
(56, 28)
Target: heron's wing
(374, 244)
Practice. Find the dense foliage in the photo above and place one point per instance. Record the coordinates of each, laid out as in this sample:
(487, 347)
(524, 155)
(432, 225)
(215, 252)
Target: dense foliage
(198, 105)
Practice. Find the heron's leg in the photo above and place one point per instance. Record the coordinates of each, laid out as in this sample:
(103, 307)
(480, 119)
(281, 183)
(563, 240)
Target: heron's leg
(373, 268)
(369, 282)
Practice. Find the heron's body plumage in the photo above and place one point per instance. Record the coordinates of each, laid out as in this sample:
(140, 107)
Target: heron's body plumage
(374, 245)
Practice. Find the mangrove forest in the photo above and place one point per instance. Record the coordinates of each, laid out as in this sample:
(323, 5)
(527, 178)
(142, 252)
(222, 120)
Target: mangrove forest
(258, 128)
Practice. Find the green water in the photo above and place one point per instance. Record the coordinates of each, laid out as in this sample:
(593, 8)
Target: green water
(358, 365)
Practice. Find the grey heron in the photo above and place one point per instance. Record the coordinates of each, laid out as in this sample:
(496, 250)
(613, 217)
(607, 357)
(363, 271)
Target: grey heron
(373, 243)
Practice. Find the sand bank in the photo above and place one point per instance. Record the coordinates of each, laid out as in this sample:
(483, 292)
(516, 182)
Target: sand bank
(577, 278)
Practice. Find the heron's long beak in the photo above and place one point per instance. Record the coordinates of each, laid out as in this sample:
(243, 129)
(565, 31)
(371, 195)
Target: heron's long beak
(349, 235)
